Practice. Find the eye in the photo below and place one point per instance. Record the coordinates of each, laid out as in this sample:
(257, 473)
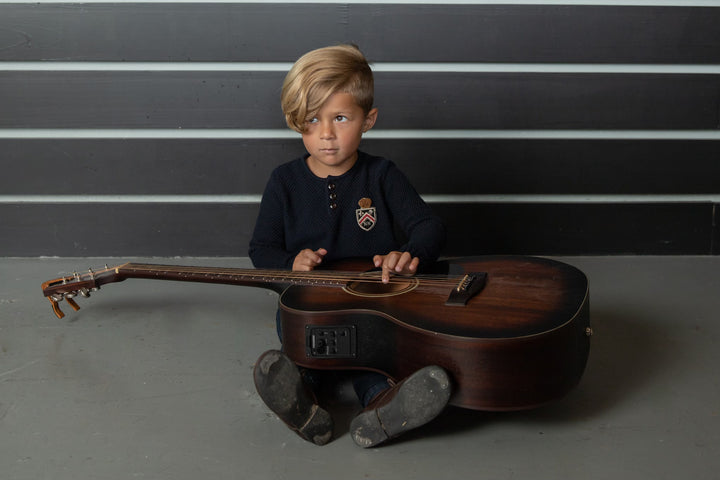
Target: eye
(311, 120)
(341, 118)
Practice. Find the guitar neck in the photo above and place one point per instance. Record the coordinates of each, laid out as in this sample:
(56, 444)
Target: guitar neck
(66, 288)
(271, 279)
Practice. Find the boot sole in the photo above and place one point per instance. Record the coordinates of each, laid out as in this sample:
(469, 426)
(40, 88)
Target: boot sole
(419, 400)
(279, 384)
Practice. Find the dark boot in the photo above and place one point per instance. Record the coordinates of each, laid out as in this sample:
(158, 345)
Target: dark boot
(278, 381)
(409, 404)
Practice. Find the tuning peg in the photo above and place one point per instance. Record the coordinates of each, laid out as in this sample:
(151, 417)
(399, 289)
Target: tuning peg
(56, 308)
(72, 303)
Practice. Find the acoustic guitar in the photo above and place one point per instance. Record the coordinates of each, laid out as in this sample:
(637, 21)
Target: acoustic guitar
(513, 331)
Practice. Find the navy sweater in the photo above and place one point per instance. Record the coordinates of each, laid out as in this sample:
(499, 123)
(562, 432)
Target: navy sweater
(300, 210)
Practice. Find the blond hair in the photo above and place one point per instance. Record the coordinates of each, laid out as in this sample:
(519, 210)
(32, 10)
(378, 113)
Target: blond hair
(320, 73)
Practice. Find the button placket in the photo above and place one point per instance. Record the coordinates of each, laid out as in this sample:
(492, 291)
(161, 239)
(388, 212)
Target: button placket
(332, 196)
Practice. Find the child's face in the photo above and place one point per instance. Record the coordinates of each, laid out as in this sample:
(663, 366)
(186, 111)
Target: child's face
(333, 135)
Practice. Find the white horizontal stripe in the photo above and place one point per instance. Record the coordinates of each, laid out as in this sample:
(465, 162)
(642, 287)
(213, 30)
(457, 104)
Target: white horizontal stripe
(87, 199)
(546, 68)
(432, 199)
(548, 134)
(410, 67)
(574, 198)
(60, 66)
(260, 134)
(179, 133)
(649, 3)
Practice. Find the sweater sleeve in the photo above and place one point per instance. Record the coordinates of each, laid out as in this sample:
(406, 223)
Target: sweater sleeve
(267, 245)
(424, 231)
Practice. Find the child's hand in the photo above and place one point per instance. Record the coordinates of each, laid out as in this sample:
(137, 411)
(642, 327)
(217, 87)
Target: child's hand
(402, 263)
(308, 259)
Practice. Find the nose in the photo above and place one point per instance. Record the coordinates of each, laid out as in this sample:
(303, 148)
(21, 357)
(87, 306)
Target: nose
(326, 130)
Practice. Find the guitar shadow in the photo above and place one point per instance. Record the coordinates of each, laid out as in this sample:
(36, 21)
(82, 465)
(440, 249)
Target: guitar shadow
(627, 352)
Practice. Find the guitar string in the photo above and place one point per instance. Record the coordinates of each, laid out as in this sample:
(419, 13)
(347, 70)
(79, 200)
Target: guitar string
(322, 279)
(328, 274)
(321, 276)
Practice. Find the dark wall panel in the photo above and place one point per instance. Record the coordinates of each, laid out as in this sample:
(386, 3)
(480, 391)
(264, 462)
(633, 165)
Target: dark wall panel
(126, 229)
(387, 33)
(236, 167)
(559, 166)
(107, 230)
(142, 167)
(575, 229)
(140, 100)
(715, 249)
(548, 101)
(407, 100)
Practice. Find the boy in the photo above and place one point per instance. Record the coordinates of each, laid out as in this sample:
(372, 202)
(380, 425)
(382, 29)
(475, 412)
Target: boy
(337, 202)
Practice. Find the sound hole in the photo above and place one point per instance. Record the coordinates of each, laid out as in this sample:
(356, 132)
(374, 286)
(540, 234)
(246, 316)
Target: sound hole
(375, 288)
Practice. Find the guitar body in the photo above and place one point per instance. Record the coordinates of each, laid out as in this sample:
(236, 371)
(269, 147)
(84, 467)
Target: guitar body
(520, 342)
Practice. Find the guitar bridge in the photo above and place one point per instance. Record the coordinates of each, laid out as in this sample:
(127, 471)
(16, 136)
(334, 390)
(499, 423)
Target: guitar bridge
(469, 286)
(330, 341)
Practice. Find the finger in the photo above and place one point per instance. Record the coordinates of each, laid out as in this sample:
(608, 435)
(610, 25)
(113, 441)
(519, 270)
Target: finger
(313, 257)
(318, 256)
(385, 274)
(414, 264)
(378, 260)
(388, 266)
(403, 262)
(407, 265)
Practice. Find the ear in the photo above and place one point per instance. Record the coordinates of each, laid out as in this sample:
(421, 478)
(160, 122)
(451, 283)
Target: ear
(370, 119)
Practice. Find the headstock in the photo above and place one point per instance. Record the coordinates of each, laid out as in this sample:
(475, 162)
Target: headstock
(68, 287)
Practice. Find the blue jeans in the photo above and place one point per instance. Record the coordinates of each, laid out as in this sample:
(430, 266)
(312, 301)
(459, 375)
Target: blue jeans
(365, 383)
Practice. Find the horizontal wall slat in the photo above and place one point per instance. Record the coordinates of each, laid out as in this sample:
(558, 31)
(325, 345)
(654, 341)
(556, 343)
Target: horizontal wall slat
(516, 166)
(225, 230)
(549, 101)
(136, 167)
(120, 229)
(435, 167)
(140, 100)
(577, 229)
(259, 32)
(428, 101)
(716, 229)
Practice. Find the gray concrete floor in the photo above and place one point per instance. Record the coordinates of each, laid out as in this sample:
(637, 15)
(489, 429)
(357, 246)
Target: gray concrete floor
(153, 379)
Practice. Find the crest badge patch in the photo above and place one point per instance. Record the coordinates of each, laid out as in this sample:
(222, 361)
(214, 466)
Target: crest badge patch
(365, 215)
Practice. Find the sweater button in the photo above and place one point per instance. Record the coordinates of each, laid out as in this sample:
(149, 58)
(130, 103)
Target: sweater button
(333, 206)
